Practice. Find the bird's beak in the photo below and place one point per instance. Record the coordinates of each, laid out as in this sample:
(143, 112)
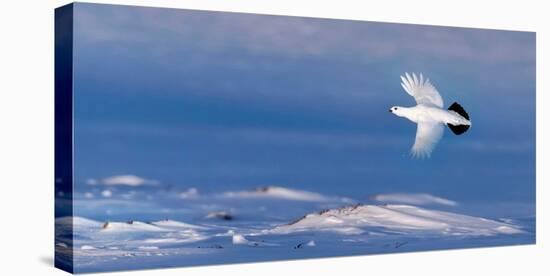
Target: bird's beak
(390, 110)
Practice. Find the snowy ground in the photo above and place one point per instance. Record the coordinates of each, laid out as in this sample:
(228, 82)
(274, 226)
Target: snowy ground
(124, 228)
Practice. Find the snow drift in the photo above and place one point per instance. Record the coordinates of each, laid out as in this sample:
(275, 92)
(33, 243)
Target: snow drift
(123, 180)
(275, 192)
(400, 219)
(413, 199)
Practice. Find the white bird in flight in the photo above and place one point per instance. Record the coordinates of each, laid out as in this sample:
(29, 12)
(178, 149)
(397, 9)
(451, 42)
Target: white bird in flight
(429, 114)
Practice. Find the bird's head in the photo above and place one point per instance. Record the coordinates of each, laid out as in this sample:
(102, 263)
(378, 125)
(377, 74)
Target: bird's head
(398, 110)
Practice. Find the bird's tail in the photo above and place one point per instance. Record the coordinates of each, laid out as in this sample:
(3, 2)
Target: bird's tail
(459, 129)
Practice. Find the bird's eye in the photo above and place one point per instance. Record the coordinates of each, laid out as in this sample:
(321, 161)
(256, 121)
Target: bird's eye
(395, 108)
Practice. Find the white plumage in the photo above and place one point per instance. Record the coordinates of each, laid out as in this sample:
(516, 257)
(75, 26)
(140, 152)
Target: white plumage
(429, 114)
(422, 90)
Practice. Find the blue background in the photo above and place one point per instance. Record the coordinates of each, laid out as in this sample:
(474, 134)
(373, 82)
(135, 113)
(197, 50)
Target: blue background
(224, 101)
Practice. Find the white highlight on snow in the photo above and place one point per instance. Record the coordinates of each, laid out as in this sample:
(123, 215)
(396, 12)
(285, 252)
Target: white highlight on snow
(87, 247)
(92, 181)
(190, 236)
(177, 225)
(276, 192)
(190, 193)
(403, 218)
(239, 239)
(148, 248)
(506, 229)
(106, 193)
(413, 199)
(171, 231)
(128, 180)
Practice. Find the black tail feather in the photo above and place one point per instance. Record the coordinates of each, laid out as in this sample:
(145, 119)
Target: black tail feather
(459, 129)
(459, 109)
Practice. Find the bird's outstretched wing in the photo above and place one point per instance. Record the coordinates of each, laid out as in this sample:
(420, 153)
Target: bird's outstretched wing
(427, 136)
(422, 90)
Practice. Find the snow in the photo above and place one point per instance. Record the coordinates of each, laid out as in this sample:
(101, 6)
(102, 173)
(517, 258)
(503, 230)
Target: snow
(92, 181)
(192, 236)
(340, 231)
(115, 227)
(128, 180)
(239, 239)
(76, 222)
(220, 215)
(172, 224)
(160, 232)
(505, 229)
(405, 218)
(147, 248)
(190, 193)
(106, 193)
(276, 192)
(172, 231)
(413, 199)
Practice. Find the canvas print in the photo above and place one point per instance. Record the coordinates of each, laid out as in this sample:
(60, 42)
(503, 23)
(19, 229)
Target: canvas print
(188, 138)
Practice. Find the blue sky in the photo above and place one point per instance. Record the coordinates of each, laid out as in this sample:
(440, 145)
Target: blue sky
(221, 101)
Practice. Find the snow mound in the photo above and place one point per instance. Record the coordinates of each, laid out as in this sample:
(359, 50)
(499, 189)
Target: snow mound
(190, 193)
(403, 219)
(239, 239)
(223, 215)
(76, 221)
(106, 193)
(84, 224)
(188, 236)
(147, 248)
(130, 226)
(176, 225)
(125, 180)
(413, 199)
(276, 192)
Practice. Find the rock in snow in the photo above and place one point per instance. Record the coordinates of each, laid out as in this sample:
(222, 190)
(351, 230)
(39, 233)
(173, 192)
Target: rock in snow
(220, 215)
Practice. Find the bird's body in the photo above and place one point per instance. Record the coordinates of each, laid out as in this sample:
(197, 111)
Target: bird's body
(429, 114)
